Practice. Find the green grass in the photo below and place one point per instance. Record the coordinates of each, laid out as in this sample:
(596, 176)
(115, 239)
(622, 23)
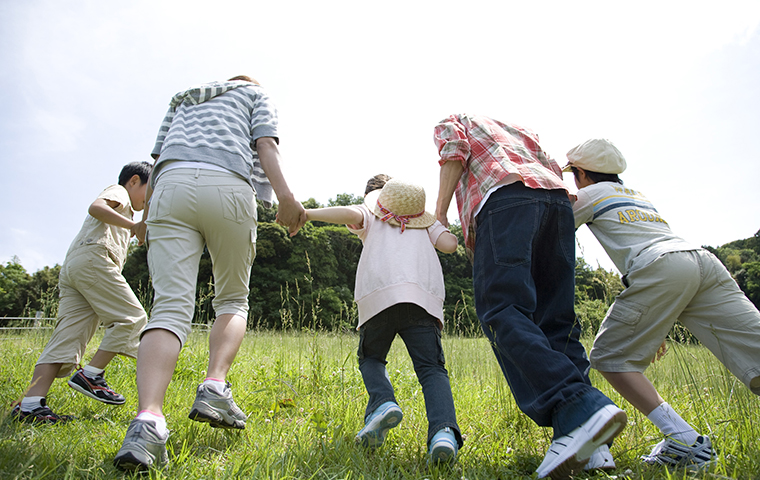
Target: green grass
(306, 401)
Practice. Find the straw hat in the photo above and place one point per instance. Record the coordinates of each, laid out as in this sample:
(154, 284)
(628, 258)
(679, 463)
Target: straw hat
(401, 204)
(596, 155)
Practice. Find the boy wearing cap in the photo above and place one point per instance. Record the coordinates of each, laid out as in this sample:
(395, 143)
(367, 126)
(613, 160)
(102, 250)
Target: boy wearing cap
(666, 279)
(400, 289)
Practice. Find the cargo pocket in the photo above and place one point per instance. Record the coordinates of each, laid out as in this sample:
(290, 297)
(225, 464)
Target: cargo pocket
(620, 324)
(238, 203)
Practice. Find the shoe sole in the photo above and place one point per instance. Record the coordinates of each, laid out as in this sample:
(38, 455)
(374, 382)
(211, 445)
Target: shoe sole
(443, 452)
(217, 421)
(690, 467)
(86, 392)
(575, 462)
(608, 468)
(136, 459)
(129, 462)
(389, 420)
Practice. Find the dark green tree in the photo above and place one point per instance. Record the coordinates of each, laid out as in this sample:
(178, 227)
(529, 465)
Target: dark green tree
(741, 258)
(345, 199)
(41, 293)
(14, 281)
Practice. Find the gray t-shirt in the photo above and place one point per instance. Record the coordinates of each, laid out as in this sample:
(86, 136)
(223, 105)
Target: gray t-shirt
(626, 224)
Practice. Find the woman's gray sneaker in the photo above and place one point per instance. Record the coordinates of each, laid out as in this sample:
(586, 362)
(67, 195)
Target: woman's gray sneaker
(143, 447)
(217, 410)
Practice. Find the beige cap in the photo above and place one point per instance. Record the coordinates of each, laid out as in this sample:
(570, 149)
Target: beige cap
(596, 155)
(400, 203)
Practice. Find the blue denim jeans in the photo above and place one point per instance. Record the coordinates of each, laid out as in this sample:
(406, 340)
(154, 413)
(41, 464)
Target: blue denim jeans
(420, 332)
(524, 278)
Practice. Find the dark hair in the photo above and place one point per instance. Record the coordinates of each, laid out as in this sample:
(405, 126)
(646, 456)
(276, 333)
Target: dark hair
(597, 177)
(376, 183)
(142, 169)
(244, 78)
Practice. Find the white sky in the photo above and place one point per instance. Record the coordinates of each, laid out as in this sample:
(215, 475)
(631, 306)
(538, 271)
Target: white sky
(359, 87)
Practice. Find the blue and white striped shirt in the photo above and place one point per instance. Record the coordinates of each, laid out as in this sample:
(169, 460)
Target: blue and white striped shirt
(219, 123)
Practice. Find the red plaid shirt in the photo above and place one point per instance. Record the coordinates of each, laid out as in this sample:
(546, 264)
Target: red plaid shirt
(489, 151)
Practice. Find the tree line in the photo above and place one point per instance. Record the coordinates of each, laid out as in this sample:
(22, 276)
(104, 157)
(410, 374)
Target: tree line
(307, 281)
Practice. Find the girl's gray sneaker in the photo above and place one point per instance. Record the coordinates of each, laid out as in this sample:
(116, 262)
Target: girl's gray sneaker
(443, 446)
(219, 411)
(385, 417)
(143, 447)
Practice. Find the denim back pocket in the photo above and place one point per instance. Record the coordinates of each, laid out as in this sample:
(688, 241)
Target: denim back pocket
(238, 203)
(161, 202)
(511, 229)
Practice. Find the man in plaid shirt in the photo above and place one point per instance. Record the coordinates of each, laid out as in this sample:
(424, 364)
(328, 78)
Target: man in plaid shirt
(518, 224)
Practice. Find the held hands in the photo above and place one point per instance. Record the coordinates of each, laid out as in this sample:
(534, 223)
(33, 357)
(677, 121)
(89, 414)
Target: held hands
(441, 217)
(291, 214)
(138, 230)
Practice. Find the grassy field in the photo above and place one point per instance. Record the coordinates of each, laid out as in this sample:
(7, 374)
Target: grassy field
(305, 400)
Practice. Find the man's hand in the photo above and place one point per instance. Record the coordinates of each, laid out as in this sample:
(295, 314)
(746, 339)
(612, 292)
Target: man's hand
(441, 217)
(450, 174)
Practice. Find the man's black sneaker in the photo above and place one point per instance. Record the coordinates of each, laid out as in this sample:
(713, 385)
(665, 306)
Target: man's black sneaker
(96, 388)
(39, 415)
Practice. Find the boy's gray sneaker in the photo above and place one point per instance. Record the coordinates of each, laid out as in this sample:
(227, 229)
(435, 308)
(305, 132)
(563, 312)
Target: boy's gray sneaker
(143, 447)
(217, 410)
(673, 453)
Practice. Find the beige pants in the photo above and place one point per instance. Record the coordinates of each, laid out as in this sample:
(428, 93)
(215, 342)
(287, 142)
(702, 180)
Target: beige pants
(697, 290)
(92, 292)
(192, 208)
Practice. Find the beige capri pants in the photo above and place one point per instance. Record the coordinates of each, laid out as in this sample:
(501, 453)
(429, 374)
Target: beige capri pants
(93, 291)
(694, 288)
(191, 208)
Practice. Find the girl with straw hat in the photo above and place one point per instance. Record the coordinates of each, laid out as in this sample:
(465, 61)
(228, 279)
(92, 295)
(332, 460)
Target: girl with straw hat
(399, 289)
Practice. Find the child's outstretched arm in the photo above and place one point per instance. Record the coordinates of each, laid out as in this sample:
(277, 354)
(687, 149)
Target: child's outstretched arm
(339, 215)
(447, 242)
(103, 210)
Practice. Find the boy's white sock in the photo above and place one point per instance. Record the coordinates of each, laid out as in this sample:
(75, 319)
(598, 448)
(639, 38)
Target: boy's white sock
(92, 372)
(159, 420)
(30, 403)
(671, 424)
(215, 384)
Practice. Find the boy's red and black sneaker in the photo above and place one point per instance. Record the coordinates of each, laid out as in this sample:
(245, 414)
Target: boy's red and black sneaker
(39, 415)
(96, 388)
